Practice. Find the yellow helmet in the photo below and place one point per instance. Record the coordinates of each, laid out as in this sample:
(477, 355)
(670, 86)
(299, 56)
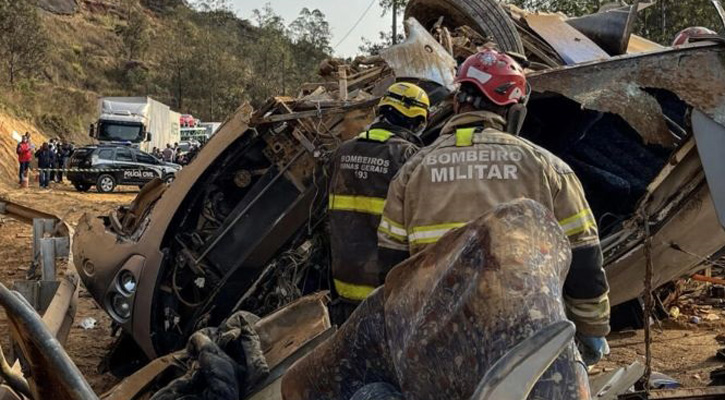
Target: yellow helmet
(408, 99)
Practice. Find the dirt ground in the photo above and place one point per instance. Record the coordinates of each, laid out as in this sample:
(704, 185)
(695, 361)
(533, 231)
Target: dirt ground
(85, 347)
(682, 350)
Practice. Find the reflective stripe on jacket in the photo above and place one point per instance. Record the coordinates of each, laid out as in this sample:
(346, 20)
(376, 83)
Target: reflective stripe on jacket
(473, 167)
(362, 170)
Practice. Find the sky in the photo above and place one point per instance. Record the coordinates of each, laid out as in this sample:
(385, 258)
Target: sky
(341, 14)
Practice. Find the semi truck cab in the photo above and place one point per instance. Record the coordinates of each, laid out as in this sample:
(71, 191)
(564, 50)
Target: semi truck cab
(120, 129)
(140, 121)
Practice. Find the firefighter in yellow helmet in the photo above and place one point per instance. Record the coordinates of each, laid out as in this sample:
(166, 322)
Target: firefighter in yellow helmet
(362, 170)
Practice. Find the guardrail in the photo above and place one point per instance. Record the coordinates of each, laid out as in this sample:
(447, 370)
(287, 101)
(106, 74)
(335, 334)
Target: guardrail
(52, 295)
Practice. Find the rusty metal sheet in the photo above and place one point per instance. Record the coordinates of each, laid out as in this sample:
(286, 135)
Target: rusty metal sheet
(681, 213)
(573, 46)
(695, 74)
(135, 385)
(421, 56)
(289, 328)
(710, 137)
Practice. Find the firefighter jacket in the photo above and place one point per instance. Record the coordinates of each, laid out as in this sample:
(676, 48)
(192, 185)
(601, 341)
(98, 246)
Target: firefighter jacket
(362, 170)
(473, 167)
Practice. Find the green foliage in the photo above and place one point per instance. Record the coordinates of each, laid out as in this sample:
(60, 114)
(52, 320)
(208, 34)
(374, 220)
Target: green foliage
(23, 40)
(134, 34)
(572, 8)
(664, 20)
(162, 6)
(196, 56)
(387, 5)
(312, 30)
(212, 61)
(385, 40)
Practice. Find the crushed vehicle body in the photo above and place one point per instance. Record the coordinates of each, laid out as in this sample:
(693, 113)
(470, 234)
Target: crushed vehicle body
(454, 301)
(633, 142)
(242, 227)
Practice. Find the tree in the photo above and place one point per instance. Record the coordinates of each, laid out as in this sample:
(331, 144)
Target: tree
(387, 5)
(134, 35)
(23, 40)
(387, 39)
(311, 35)
(312, 28)
(178, 59)
(212, 5)
(269, 55)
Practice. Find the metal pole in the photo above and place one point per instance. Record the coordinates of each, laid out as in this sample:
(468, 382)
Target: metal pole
(47, 256)
(395, 21)
(648, 300)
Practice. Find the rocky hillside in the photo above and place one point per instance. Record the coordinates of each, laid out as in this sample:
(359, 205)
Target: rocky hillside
(8, 158)
(203, 61)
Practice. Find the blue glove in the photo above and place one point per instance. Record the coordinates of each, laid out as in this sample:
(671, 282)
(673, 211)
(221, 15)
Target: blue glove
(592, 348)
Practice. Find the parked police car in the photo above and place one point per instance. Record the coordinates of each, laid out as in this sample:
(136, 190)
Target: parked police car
(107, 166)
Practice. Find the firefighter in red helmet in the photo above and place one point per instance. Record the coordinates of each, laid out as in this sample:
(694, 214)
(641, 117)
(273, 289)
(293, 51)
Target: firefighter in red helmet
(477, 164)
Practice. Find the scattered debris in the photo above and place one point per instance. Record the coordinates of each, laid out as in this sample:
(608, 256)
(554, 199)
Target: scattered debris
(661, 381)
(710, 317)
(243, 227)
(88, 323)
(717, 377)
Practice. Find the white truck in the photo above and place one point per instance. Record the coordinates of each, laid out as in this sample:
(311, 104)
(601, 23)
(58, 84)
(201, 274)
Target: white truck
(140, 121)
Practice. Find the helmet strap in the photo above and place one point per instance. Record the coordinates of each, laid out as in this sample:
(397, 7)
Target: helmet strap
(515, 119)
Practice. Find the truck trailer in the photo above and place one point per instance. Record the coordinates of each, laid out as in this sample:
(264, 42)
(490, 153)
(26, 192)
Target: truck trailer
(140, 121)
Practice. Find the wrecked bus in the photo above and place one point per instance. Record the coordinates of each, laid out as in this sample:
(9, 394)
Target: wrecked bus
(242, 228)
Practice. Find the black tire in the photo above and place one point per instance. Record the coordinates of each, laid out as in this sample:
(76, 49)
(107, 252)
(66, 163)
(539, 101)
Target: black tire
(487, 17)
(105, 183)
(82, 187)
(168, 179)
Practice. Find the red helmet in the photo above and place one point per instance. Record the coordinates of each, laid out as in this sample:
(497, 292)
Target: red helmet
(686, 35)
(496, 75)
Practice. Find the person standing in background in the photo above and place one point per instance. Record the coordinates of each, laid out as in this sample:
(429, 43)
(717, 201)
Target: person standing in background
(46, 159)
(62, 155)
(52, 146)
(168, 153)
(25, 155)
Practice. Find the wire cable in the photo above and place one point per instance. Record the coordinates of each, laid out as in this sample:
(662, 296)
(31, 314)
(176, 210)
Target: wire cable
(356, 24)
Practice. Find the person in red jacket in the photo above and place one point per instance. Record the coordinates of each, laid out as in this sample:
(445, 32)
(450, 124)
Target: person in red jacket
(25, 155)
